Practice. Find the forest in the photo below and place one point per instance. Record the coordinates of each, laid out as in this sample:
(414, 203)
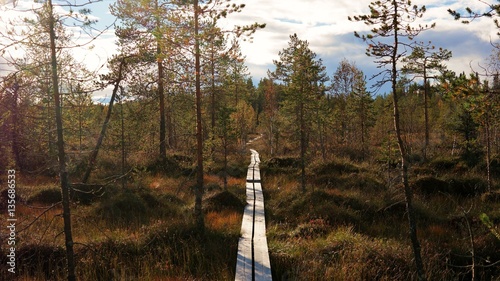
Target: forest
(149, 183)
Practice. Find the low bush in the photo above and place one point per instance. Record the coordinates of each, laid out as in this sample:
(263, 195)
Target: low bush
(281, 165)
(43, 262)
(123, 208)
(443, 164)
(47, 196)
(136, 207)
(335, 168)
(430, 186)
(224, 200)
(166, 166)
(86, 193)
(467, 186)
(283, 162)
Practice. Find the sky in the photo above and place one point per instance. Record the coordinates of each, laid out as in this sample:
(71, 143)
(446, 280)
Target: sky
(324, 24)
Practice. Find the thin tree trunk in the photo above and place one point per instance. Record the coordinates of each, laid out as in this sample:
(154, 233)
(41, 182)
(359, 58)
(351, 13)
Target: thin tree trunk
(404, 157)
(93, 156)
(426, 114)
(225, 158)
(488, 151)
(212, 94)
(63, 174)
(472, 246)
(16, 149)
(124, 179)
(50, 137)
(161, 94)
(198, 213)
(302, 147)
(363, 120)
(170, 127)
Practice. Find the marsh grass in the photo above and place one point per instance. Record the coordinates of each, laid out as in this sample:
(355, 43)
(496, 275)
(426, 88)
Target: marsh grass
(349, 225)
(143, 232)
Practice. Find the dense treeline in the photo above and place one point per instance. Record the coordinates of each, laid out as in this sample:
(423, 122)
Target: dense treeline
(299, 108)
(344, 119)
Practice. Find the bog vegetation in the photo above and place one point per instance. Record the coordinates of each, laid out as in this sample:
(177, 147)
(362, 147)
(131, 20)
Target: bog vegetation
(150, 184)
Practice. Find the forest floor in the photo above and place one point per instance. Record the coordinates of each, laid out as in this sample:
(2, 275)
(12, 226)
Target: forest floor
(350, 224)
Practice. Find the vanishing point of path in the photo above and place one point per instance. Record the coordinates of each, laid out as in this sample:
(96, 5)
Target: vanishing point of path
(253, 257)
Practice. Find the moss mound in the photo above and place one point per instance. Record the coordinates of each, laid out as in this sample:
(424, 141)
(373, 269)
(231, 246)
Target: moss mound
(224, 200)
(430, 185)
(46, 196)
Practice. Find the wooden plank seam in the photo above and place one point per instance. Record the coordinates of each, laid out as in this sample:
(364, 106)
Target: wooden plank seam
(260, 265)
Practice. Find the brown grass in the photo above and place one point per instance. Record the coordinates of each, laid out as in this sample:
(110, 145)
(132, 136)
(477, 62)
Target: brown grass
(227, 220)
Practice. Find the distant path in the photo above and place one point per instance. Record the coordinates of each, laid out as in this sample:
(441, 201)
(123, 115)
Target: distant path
(253, 257)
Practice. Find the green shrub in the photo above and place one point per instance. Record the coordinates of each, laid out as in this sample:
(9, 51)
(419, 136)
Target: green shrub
(166, 166)
(299, 207)
(281, 165)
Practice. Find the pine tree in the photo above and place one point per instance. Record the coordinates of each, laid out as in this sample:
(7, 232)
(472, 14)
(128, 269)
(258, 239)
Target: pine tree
(426, 63)
(51, 25)
(303, 76)
(491, 10)
(391, 19)
(351, 104)
(146, 32)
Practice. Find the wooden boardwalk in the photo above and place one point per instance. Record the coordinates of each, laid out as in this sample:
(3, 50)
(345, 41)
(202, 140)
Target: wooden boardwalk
(253, 257)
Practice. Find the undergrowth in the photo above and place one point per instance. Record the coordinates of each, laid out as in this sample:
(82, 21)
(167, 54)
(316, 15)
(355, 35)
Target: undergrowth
(350, 224)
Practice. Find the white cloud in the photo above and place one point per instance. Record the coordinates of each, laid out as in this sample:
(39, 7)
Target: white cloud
(324, 24)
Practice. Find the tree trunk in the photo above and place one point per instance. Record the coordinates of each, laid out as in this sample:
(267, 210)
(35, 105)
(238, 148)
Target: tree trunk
(302, 147)
(124, 155)
(198, 213)
(93, 156)
(63, 174)
(426, 114)
(16, 148)
(161, 94)
(225, 143)
(170, 127)
(404, 156)
(488, 151)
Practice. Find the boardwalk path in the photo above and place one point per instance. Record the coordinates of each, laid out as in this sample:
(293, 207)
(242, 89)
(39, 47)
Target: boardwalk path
(253, 257)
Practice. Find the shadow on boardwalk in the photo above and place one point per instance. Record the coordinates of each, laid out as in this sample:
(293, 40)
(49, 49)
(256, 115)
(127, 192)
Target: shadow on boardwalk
(253, 255)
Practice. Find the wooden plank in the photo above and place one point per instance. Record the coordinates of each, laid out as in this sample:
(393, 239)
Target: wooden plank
(253, 256)
(262, 265)
(244, 264)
